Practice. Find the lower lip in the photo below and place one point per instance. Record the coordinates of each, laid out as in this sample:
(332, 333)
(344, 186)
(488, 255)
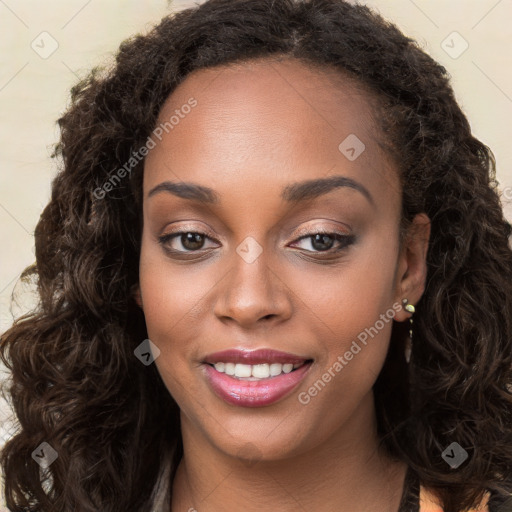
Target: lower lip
(254, 393)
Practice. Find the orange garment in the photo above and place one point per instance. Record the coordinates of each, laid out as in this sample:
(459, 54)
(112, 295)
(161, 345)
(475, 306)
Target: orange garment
(428, 502)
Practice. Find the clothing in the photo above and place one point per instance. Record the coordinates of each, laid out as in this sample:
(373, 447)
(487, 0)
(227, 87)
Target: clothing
(414, 495)
(162, 491)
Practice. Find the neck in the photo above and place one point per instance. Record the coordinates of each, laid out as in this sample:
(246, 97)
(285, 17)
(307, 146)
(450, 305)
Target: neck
(347, 472)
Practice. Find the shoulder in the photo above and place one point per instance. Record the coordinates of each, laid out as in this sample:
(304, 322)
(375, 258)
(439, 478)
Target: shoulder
(429, 502)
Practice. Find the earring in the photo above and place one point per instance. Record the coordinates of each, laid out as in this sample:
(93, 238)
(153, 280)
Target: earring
(408, 344)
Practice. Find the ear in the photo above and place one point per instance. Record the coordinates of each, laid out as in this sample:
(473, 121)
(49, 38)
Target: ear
(135, 290)
(411, 272)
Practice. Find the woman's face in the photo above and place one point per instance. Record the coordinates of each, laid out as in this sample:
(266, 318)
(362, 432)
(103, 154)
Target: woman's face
(259, 275)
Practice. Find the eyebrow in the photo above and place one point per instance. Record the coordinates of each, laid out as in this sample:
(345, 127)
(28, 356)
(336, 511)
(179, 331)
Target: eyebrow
(293, 193)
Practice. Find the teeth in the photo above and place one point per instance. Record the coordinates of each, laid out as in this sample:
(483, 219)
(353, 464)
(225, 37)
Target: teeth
(287, 368)
(255, 371)
(242, 370)
(275, 369)
(261, 371)
(229, 368)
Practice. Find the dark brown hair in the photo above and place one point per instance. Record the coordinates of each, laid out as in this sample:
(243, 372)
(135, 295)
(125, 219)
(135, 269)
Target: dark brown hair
(76, 383)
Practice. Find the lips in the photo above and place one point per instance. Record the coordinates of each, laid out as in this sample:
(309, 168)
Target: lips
(274, 375)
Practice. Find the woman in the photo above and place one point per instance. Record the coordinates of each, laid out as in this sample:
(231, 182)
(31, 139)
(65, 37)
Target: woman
(274, 273)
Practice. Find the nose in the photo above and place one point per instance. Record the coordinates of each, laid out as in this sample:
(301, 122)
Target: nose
(252, 294)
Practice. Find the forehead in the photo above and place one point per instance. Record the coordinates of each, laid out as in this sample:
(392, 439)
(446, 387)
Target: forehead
(263, 124)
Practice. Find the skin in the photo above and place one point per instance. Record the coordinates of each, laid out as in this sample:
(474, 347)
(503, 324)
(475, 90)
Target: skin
(257, 128)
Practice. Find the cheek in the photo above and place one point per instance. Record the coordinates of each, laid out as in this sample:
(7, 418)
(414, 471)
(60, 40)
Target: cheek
(173, 294)
(351, 306)
(171, 305)
(174, 298)
(349, 297)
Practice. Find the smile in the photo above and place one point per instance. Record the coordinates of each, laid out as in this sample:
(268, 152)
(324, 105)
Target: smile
(271, 376)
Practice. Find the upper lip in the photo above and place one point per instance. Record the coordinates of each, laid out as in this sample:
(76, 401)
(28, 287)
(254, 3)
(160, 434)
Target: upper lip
(259, 356)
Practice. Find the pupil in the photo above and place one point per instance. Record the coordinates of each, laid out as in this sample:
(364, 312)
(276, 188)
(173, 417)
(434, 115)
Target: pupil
(192, 241)
(320, 242)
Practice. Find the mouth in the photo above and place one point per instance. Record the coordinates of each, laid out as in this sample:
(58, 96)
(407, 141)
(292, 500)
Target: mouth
(256, 378)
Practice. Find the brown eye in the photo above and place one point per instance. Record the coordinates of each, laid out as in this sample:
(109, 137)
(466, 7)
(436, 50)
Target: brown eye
(189, 241)
(323, 242)
(192, 241)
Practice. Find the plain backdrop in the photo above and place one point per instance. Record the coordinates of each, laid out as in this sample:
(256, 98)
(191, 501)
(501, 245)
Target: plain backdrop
(45, 47)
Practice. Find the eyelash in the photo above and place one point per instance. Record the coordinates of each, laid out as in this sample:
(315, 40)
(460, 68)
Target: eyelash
(342, 238)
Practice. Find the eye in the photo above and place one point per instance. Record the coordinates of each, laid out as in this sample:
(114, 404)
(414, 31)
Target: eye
(191, 241)
(323, 241)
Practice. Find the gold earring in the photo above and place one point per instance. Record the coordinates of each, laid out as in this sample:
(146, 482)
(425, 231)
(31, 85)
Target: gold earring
(408, 344)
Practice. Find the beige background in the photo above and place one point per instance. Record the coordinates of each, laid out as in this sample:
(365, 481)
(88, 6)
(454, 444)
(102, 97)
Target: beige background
(34, 91)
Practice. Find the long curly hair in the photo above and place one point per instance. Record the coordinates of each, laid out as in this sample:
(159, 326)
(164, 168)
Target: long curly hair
(75, 382)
